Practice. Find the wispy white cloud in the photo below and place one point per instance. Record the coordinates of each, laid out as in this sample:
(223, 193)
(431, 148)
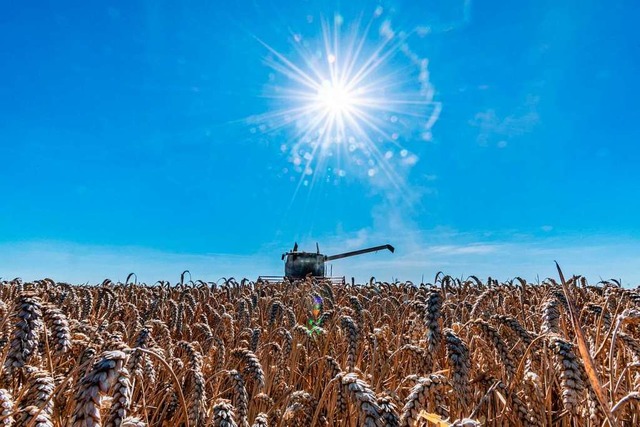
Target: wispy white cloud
(494, 128)
(424, 253)
(453, 250)
(417, 255)
(500, 254)
(78, 263)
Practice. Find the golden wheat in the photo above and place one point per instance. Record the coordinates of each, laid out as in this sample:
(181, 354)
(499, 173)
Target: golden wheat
(247, 353)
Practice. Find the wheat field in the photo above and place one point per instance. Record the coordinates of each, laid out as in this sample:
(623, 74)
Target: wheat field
(308, 353)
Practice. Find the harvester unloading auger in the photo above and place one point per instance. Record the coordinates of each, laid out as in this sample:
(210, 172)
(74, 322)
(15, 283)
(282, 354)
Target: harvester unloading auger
(299, 264)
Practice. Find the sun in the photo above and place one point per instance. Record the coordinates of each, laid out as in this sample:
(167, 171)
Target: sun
(336, 99)
(346, 99)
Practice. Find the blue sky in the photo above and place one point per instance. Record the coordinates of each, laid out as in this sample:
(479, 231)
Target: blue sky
(139, 136)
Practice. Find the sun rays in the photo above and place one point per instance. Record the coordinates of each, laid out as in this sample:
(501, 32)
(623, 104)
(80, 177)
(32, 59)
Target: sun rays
(347, 102)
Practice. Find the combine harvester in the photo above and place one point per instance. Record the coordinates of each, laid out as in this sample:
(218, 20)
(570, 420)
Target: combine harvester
(299, 265)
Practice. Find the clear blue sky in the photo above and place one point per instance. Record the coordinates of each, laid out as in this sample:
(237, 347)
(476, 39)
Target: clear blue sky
(137, 136)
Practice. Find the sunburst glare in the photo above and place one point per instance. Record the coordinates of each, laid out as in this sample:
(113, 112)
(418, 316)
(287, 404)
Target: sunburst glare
(335, 98)
(347, 101)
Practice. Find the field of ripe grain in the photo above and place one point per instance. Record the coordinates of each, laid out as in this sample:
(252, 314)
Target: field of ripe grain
(313, 354)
